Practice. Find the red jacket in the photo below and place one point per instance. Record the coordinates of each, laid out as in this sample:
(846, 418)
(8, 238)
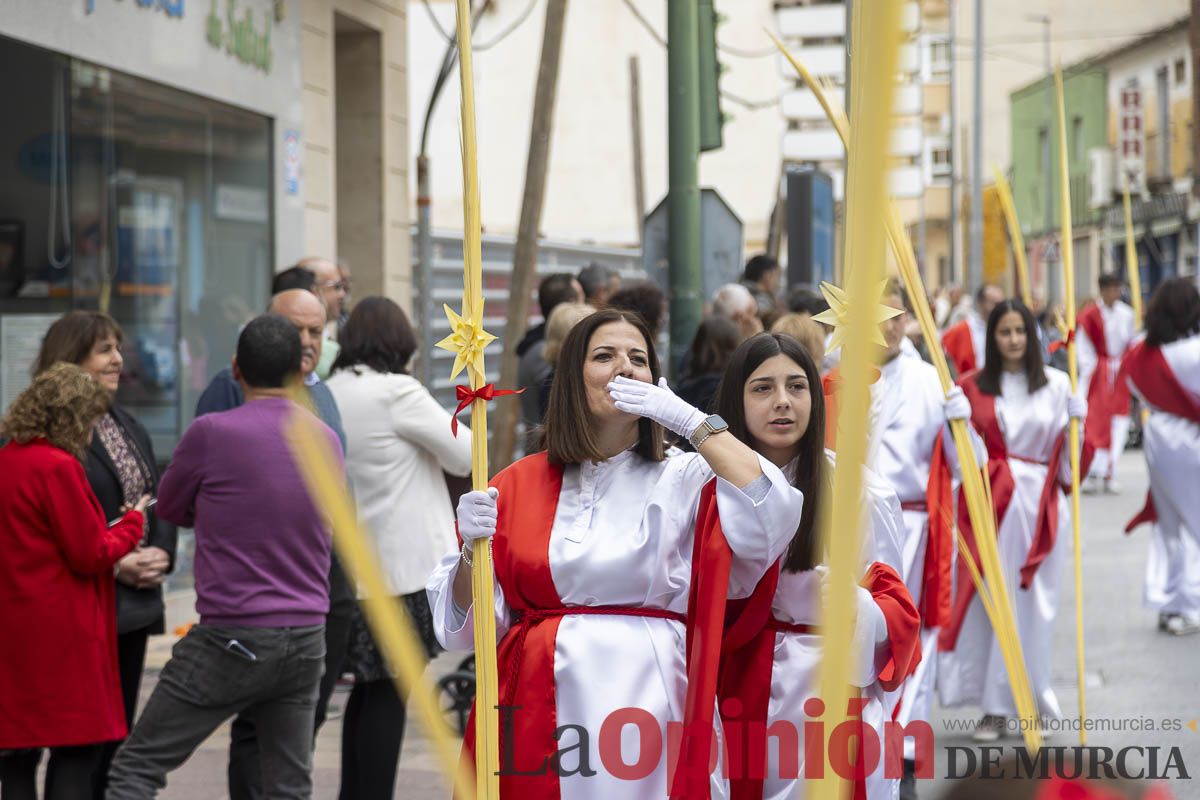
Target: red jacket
(58, 673)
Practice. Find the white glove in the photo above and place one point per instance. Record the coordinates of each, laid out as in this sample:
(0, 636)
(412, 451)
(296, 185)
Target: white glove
(956, 405)
(1077, 406)
(477, 515)
(656, 403)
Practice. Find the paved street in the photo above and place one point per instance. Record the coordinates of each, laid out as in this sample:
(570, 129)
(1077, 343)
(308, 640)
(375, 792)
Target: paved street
(1134, 671)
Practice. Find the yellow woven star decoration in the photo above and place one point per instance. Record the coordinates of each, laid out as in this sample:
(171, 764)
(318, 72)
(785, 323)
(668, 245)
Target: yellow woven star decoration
(839, 307)
(466, 340)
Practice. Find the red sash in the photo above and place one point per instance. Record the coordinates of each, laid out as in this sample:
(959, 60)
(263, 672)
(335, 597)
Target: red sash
(1147, 367)
(748, 660)
(1107, 397)
(983, 417)
(937, 576)
(960, 346)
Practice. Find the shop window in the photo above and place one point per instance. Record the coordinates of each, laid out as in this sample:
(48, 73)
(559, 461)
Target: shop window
(120, 194)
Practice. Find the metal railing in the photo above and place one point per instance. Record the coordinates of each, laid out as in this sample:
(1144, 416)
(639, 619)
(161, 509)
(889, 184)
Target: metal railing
(447, 276)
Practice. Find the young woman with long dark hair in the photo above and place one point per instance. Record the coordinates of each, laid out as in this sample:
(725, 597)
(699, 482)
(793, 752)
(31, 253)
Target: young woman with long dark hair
(593, 544)
(1164, 371)
(1021, 409)
(771, 397)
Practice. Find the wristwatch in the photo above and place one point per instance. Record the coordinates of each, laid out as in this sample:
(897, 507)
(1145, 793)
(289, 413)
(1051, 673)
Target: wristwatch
(712, 424)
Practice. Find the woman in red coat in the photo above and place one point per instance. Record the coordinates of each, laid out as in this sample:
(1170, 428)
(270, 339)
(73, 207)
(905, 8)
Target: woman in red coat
(58, 676)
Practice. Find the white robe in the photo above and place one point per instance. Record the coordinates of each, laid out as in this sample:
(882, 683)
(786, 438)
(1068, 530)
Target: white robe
(622, 536)
(1172, 448)
(797, 656)
(974, 673)
(1118, 336)
(910, 421)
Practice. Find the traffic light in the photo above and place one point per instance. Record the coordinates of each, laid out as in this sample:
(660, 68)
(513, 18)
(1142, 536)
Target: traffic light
(711, 116)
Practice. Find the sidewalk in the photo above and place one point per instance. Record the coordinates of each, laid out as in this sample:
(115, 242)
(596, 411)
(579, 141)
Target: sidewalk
(203, 776)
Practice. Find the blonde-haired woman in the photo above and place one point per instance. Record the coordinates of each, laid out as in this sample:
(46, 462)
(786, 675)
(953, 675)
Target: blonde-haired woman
(58, 678)
(802, 328)
(563, 318)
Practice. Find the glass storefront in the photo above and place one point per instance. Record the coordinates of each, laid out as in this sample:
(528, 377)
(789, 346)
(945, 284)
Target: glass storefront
(150, 203)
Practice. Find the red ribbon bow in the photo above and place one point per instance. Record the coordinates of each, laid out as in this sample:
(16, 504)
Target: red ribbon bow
(467, 395)
(1061, 343)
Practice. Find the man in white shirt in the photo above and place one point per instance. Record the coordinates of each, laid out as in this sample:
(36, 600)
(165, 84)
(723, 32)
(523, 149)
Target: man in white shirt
(1105, 332)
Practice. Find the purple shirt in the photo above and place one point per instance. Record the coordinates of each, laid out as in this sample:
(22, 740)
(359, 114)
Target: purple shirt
(262, 550)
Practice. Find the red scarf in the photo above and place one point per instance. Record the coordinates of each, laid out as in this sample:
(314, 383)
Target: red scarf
(960, 346)
(937, 577)
(1147, 367)
(983, 417)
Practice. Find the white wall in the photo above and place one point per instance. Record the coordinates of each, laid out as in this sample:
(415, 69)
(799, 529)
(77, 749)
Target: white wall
(145, 42)
(590, 192)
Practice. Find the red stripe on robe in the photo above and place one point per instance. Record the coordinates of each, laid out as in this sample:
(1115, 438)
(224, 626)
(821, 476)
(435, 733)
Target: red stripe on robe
(1147, 367)
(1106, 398)
(522, 565)
(960, 346)
(937, 576)
(748, 661)
(983, 417)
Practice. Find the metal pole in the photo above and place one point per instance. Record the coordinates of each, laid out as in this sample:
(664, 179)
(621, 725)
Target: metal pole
(1048, 218)
(635, 125)
(976, 274)
(955, 222)
(683, 193)
(425, 269)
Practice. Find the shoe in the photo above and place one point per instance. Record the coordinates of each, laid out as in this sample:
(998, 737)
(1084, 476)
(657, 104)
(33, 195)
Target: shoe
(990, 728)
(1091, 485)
(1111, 486)
(1183, 625)
(1164, 620)
(908, 781)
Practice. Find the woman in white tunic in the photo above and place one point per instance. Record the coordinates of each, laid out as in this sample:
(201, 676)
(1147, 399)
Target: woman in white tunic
(1164, 371)
(592, 547)
(1021, 409)
(772, 399)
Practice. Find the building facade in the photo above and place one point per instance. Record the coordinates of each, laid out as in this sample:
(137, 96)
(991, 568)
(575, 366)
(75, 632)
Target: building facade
(921, 143)
(168, 156)
(1034, 174)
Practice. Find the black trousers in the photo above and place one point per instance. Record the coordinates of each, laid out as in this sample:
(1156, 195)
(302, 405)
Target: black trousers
(245, 768)
(131, 661)
(70, 774)
(372, 732)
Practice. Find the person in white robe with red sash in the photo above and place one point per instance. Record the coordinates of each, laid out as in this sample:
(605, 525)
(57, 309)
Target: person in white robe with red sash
(1105, 332)
(915, 456)
(964, 341)
(1021, 409)
(771, 397)
(593, 543)
(1164, 371)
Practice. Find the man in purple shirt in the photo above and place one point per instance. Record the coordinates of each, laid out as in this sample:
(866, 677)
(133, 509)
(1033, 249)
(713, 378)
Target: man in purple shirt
(262, 566)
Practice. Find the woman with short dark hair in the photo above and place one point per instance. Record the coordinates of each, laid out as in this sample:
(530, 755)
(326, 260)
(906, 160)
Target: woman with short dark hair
(594, 562)
(398, 443)
(59, 686)
(1021, 410)
(715, 340)
(120, 467)
(1164, 371)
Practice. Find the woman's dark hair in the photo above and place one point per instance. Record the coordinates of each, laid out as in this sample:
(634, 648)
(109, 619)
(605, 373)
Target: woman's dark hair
(377, 335)
(643, 298)
(569, 435)
(1173, 312)
(988, 377)
(72, 336)
(268, 352)
(811, 465)
(715, 340)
